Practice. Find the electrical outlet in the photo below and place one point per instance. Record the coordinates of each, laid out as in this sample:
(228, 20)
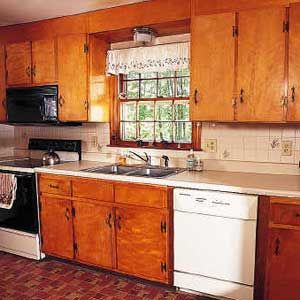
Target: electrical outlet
(286, 148)
(94, 141)
(210, 145)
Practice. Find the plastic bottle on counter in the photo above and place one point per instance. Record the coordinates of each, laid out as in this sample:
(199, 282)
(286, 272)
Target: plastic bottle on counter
(191, 161)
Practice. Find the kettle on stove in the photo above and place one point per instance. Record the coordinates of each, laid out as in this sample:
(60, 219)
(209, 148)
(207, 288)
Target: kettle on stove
(50, 158)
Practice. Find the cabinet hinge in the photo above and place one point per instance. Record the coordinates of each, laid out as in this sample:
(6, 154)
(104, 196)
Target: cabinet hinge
(286, 26)
(85, 48)
(163, 226)
(235, 31)
(163, 266)
(73, 212)
(75, 248)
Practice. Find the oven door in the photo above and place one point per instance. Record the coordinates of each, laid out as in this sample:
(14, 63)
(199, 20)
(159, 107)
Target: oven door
(23, 215)
(32, 105)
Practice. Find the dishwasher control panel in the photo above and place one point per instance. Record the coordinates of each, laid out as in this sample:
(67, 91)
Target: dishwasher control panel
(216, 203)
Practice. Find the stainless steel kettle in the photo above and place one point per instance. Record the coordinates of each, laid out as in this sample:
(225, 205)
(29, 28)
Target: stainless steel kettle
(50, 158)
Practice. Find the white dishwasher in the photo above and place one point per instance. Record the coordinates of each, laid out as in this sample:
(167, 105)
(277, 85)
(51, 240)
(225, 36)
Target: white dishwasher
(214, 242)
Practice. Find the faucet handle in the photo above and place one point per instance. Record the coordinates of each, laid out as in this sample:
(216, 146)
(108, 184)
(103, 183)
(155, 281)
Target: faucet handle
(166, 160)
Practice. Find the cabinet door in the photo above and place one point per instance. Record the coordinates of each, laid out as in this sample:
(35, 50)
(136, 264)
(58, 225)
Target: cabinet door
(56, 226)
(212, 74)
(72, 77)
(43, 62)
(294, 64)
(283, 271)
(2, 85)
(93, 229)
(261, 60)
(141, 243)
(18, 63)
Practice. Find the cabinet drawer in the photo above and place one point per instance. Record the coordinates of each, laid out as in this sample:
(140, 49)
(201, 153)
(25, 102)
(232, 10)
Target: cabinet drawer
(286, 214)
(143, 195)
(93, 189)
(57, 185)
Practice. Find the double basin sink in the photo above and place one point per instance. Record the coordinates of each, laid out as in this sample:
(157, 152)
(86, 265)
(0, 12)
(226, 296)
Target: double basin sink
(134, 170)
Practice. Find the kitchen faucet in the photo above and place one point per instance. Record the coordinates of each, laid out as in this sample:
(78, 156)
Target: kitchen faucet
(146, 159)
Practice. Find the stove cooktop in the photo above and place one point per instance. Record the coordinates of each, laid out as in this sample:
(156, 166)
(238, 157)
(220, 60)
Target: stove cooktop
(23, 163)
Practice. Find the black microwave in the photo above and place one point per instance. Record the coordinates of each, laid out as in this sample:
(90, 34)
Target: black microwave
(32, 104)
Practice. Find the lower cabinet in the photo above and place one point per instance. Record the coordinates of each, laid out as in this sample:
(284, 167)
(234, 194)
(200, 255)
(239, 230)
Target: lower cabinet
(126, 237)
(93, 226)
(56, 226)
(142, 242)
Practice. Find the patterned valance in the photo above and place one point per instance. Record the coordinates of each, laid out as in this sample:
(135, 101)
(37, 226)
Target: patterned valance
(159, 58)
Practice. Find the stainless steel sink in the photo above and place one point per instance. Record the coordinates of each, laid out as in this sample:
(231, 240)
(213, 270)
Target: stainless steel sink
(140, 171)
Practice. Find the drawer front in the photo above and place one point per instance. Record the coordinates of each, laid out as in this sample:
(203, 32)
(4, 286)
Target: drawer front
(57, 185)
(143, 195)
(93, 189)
(286, 214)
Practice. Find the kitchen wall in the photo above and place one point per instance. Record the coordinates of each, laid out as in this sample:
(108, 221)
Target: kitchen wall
(238, 147)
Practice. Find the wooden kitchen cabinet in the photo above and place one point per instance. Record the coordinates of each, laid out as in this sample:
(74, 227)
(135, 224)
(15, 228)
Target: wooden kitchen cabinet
(2, 85)
(142, 242)
(261, 65)
(93, 231)
(73, 77)
(18, 63)
(56, 226)
(212, 68)
(44, 62)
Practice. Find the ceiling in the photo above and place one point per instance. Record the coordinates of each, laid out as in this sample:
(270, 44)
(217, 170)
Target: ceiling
(20, 11)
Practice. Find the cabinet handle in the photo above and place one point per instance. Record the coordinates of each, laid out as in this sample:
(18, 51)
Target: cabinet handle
(277, 247)
(28, 72)
(67, 214)
(52, 186)
(293, 95)
(196, 96)
(242, 92)
(108, 220)
(34, 70)
(118, 221)
(61, 101)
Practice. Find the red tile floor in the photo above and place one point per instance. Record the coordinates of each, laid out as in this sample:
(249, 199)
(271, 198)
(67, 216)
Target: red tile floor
(24, 279)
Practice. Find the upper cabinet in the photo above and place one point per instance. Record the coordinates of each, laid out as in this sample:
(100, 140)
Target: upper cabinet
(261, 65)
(18, 64)
(2, 85)
(73, 77)
(213, 59)
(30, 63)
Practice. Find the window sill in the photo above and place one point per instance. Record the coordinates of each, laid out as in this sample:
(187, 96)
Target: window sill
(172, 146)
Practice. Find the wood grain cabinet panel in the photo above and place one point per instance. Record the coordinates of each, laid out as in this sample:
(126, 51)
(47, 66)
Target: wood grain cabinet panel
(56, 226)
(286, 214)
(141, 244)
(293, 113)
(93, 189)
(18, 63)
(93, 231)
(43, 62)
(212, 70)
(72, 77)
(2, 85)
(283, 265)
(142, 195)
(261, 61)
(57, 185)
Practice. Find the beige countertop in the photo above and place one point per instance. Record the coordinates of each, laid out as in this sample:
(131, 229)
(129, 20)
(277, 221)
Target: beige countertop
(237, 182)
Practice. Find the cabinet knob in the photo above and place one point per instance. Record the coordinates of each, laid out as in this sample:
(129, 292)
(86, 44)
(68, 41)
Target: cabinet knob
(242, 94)
(293, 94)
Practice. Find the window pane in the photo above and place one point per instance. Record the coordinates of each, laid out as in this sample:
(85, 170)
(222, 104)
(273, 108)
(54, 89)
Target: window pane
(146, 131)
(183, 72)
(132, 75)
(182, 110)
(164, 111)
(166, 74)
(183, 132)
(166, 88)
(183, 87)
(128, 111)
(132, 89)
(146, 111)
(148, 89)
(163, 131)
(128, 131)
(149, 75)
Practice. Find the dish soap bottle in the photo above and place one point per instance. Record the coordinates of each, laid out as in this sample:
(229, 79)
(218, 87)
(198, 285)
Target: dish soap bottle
(191, 161)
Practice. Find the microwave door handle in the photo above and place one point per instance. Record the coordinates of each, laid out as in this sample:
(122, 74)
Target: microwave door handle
(42, 112)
